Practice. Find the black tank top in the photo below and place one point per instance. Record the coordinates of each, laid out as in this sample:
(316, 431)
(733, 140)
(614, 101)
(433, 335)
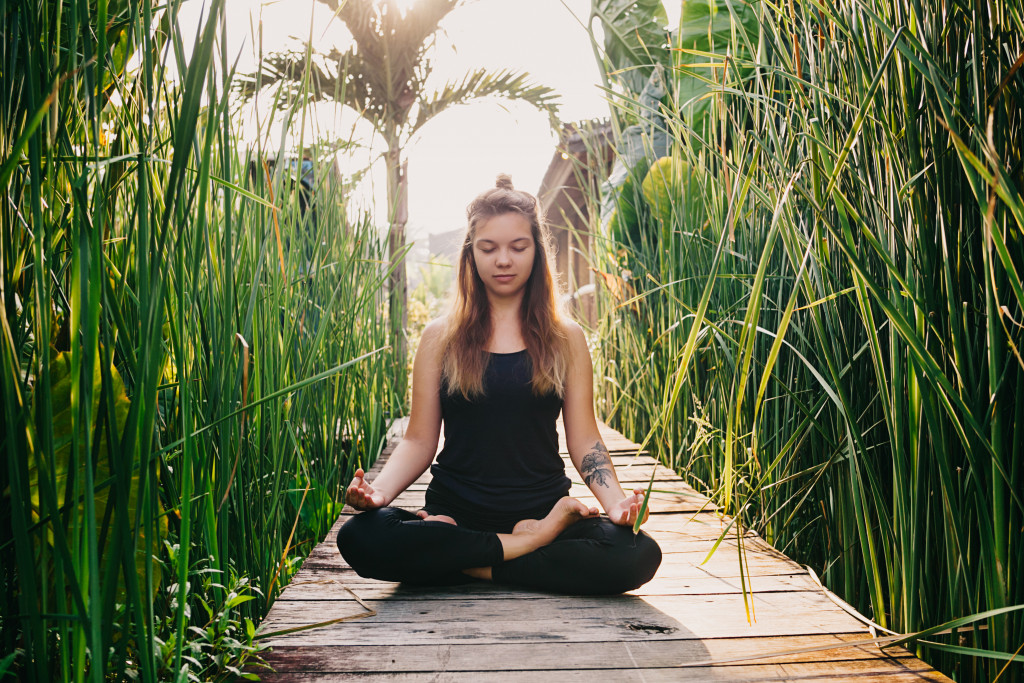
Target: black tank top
(501, 450)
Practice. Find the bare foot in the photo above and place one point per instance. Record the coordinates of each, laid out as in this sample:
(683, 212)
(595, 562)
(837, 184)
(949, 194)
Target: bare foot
(564, 514)
(426, 517)
(525, 526)
(530, 534)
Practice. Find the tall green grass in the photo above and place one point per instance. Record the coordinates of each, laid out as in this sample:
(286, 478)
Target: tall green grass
(193, 360)
(822, 326)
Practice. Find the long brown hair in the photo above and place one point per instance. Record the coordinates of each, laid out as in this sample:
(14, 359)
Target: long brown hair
(469, 326)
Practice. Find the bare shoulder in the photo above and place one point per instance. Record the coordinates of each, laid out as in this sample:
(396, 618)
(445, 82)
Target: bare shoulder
(435, 327)
(577, 338)
(426, 367)
(578, 347)
(432, 337)
(574, 330)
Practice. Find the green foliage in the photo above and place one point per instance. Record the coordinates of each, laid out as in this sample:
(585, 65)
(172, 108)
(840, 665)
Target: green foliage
(191, 349)
(825, 335)
(709, 31)
(221, 644)
(630, 206)
(58, 477)
(634, 38)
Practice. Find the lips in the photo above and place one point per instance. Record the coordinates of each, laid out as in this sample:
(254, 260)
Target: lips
(504, 278)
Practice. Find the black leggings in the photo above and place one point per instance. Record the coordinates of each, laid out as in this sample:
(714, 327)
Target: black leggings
(591, 557)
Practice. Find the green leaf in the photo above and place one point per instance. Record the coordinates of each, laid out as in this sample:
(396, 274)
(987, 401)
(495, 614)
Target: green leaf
(238, 600)
(700, 44)
(6, 662)
(634, 38)
(57, 472)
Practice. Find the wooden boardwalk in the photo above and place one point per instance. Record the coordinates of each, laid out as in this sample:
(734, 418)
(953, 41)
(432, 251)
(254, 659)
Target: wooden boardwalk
(672, 629)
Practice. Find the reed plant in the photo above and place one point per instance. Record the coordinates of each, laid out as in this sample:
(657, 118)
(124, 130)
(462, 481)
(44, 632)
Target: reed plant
(814, 308)
(193, 356)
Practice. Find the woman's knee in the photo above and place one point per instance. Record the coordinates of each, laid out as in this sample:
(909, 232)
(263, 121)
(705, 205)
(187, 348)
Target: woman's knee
(635, 560)
(647, 559)
(601, 559)
(363, 540)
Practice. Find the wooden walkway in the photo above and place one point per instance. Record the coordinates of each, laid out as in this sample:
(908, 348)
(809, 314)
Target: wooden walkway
(671, 629)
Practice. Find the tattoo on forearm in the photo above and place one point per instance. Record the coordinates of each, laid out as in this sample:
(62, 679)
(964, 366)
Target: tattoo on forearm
(597, 466)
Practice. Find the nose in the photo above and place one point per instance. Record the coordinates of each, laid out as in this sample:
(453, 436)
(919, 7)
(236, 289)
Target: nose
(504, 258)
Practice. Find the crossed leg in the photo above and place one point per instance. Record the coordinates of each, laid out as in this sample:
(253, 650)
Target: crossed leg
(528, 534)
(571, 550)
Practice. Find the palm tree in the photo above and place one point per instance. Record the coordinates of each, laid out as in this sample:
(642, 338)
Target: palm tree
(383, 78)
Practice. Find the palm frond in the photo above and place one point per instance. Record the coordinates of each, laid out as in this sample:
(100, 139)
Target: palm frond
(483, 83)
(325, 73)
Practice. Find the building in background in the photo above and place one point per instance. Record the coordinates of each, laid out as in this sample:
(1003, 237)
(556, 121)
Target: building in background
(581, 161)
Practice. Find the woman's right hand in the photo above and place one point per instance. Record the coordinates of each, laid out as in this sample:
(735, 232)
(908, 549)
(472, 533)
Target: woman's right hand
(361, 495)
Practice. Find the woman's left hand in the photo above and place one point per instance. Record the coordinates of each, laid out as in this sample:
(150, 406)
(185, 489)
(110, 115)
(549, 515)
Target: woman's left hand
(627, 510)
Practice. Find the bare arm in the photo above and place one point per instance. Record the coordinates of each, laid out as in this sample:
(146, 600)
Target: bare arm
(414, 453)
(586, 448)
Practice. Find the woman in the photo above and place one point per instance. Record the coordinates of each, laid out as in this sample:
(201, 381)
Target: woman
(497, 371)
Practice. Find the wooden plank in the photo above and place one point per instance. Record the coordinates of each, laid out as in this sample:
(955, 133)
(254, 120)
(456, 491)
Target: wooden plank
(685, 562)
(558, 657)
(549, 656)
(569, 619)
(693, 611)
(867, 671)
(319, 584)
(675, 550)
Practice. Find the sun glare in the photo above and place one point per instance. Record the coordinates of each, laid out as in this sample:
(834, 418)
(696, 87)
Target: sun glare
(404, 5)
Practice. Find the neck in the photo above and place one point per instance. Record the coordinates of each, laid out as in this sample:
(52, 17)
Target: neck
(504, 308)
(506, 332)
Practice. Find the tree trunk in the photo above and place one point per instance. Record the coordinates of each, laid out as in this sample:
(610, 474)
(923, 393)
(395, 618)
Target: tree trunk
(398, 213)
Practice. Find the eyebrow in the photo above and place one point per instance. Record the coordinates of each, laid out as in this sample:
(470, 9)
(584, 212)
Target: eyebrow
(518, 239)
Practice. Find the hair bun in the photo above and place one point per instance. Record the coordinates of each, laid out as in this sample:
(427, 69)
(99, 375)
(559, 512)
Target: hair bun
(504, 182)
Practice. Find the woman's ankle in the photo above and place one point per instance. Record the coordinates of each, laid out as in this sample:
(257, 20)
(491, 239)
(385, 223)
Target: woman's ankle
(483, 573)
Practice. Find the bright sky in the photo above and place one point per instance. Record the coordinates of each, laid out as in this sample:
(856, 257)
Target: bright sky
(460, 152)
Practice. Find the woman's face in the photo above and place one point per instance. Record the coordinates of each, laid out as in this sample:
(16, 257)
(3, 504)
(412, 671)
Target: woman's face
(503, 250)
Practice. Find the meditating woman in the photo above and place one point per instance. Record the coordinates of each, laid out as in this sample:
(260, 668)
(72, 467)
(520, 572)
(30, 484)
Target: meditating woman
(496, 372)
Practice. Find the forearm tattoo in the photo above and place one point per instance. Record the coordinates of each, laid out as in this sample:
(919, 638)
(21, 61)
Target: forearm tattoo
(596, 467)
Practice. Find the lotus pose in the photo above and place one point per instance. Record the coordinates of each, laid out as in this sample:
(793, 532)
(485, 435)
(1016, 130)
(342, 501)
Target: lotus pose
(496, 372)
